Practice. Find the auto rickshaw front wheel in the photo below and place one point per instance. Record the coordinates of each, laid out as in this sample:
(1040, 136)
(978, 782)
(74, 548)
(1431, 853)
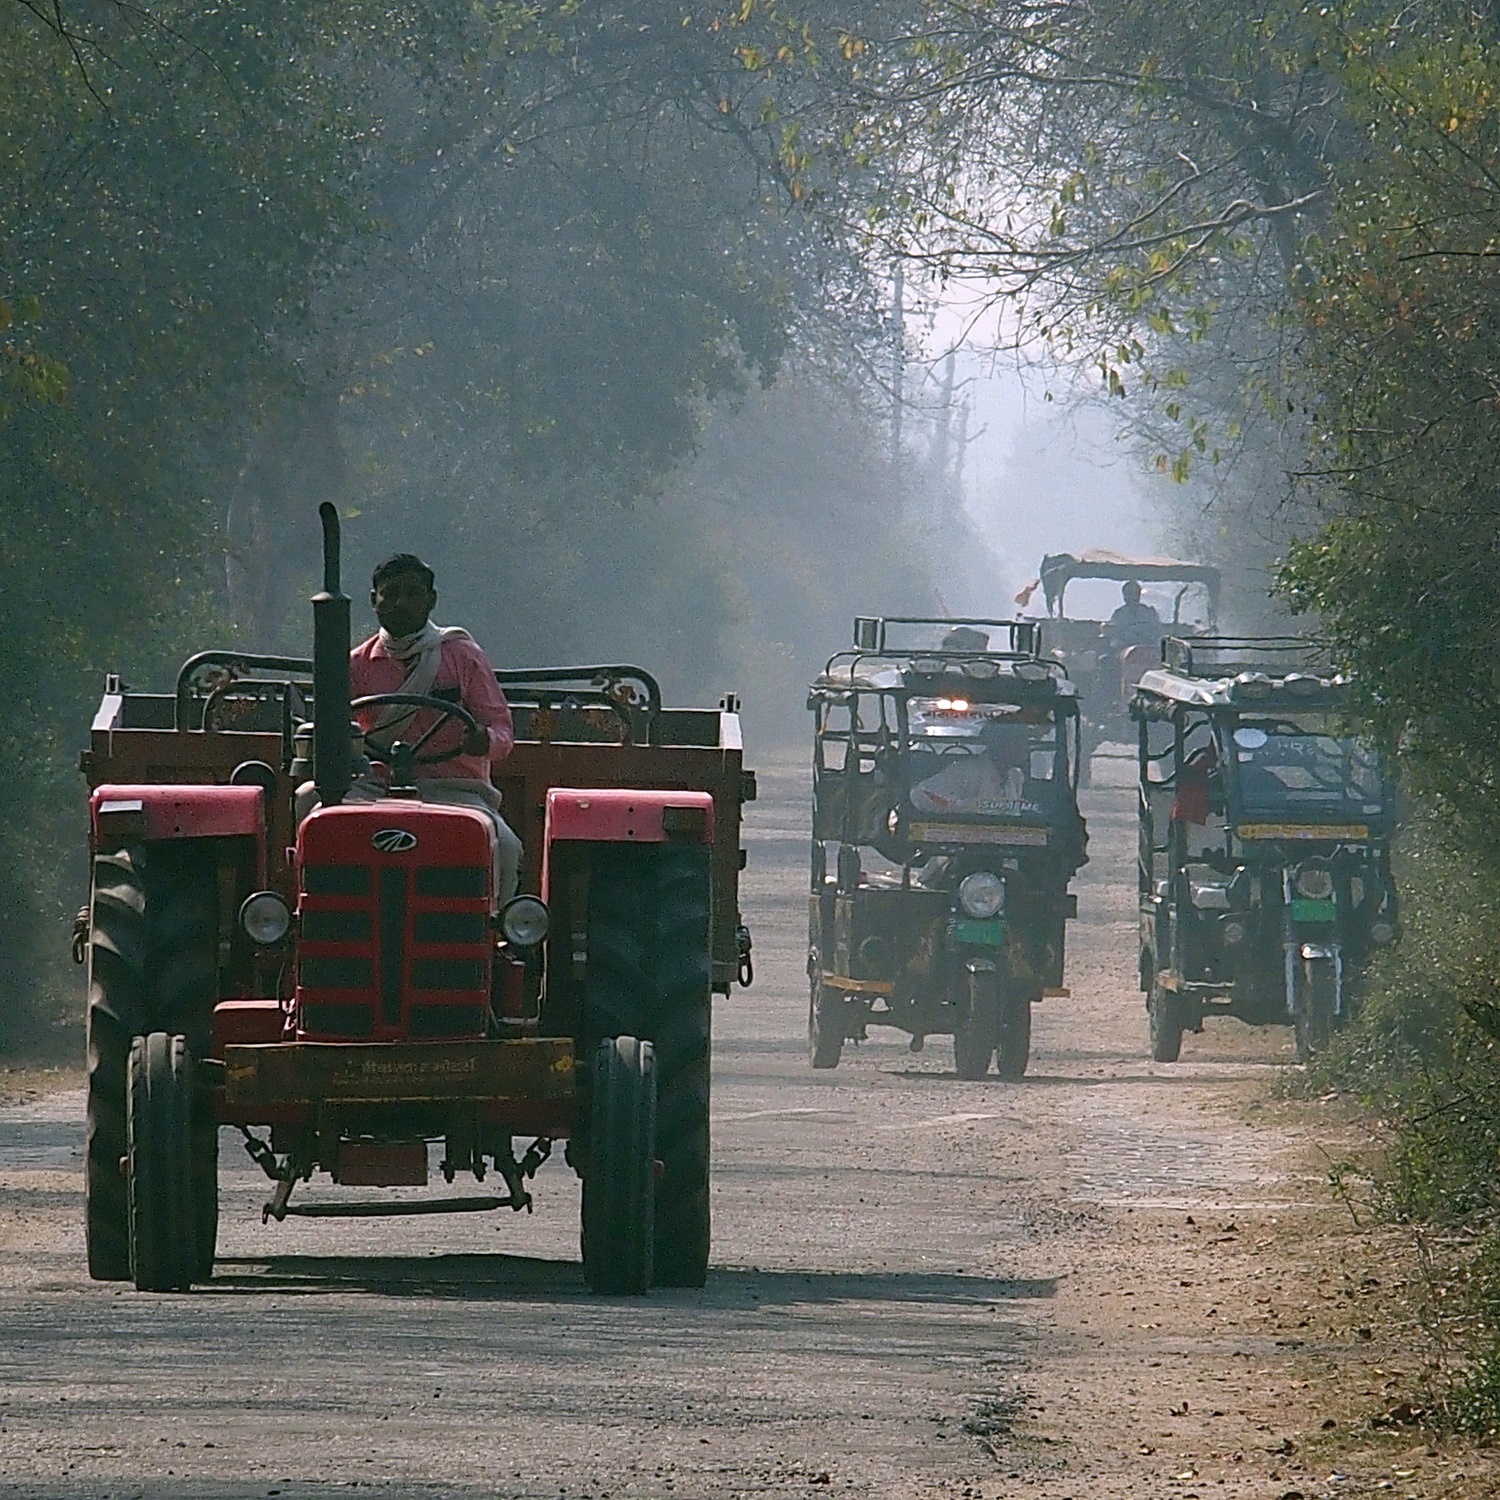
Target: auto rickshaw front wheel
(1165, 1017)
(977, 1027)
(1013, 1040)
(1314, 1015)
(825, 1026)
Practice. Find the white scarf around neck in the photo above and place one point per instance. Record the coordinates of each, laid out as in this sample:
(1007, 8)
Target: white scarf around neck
(420, 653)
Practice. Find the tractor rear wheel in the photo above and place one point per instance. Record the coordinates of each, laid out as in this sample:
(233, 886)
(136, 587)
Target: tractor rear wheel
(152, 959)
(619, 1188)
(650, 975)
(162, 1208)
(1013, 1041)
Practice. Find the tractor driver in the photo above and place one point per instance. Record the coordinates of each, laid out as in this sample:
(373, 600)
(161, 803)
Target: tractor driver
(1133, 623)
(409, 654)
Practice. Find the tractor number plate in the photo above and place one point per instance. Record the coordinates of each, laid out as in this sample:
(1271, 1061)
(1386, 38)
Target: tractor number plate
(391, 1072)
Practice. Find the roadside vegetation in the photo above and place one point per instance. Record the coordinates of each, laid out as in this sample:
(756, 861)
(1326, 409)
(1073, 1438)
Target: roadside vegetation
(521, 287)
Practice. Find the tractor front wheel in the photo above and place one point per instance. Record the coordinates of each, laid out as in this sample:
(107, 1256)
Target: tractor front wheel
(619, 1187)
(163, 1207)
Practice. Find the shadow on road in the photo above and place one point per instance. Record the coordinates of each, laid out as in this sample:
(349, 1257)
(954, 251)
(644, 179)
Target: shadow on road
(505, 1278)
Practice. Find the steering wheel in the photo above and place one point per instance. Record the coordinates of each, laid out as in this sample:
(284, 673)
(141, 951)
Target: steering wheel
(441, 706)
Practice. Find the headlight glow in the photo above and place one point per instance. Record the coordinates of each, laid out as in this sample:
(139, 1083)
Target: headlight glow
(265, 918)
(981, 894)
(524, 921)
(1315, 882)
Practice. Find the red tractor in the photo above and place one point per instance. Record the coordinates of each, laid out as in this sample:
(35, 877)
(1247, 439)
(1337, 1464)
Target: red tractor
(332, 978)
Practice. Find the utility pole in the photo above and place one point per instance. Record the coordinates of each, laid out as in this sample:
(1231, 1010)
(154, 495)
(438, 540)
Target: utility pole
(898, 361)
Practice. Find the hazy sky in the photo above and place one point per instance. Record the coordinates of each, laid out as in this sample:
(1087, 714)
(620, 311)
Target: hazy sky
(1040, 476)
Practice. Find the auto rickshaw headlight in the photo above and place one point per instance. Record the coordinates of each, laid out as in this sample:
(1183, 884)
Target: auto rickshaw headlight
(1315, 882)
(524, 921)
(1382, 933)
(981, 894)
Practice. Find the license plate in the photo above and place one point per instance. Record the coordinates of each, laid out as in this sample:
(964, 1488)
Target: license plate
(1328, 831)
(1304, 910)
(973, 833)
(989, 931)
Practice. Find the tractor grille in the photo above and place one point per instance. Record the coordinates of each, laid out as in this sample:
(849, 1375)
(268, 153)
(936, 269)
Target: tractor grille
(394, 945)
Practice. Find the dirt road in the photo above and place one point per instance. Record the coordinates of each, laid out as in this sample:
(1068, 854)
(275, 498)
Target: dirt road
(1112, 1280)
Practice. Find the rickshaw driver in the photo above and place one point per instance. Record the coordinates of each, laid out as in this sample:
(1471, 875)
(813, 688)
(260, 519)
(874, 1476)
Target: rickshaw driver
(989, 783)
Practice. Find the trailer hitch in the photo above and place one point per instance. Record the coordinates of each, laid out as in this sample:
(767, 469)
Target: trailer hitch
(298, 1165)
(261, 1154)
(747, 962)
(515, 1173)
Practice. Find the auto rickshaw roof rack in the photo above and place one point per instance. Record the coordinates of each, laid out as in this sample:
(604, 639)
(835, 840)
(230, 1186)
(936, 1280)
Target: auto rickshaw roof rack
(1229, 655)
(1240, 672)
(876, 665)
(1023, 637)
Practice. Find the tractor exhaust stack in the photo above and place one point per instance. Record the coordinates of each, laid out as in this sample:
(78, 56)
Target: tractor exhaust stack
(331, 644)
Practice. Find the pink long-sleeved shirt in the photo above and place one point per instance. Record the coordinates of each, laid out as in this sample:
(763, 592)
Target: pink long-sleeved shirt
(462, 665)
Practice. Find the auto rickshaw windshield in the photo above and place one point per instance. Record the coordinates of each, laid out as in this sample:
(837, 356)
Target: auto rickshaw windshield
(1304, 763)
(981, 759)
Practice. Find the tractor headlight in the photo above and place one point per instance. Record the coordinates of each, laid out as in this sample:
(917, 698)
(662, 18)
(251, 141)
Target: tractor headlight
(1315, 882)
(524, 921)
(981, 894)
(265, 918)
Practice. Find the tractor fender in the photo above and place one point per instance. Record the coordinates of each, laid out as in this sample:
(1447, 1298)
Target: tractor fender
(619, 815)
(577, 817)
(124, 814)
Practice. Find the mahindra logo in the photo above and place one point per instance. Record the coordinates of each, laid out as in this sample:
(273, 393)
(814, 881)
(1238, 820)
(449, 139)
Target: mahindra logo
(394, 841)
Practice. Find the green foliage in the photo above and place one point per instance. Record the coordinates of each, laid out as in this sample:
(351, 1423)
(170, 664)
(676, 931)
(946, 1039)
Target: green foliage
(483, 274)
(1424, 1052)
(1405, 346)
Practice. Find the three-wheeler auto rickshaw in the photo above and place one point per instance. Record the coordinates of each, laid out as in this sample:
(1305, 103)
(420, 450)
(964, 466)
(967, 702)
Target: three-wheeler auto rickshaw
(1265, 826)
(945, 832)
